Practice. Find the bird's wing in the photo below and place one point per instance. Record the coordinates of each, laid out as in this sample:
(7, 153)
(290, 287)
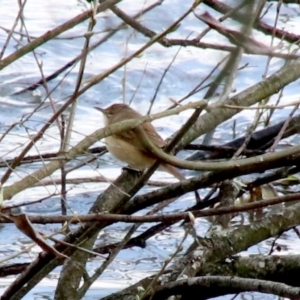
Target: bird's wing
(151, 132)
(134, 135)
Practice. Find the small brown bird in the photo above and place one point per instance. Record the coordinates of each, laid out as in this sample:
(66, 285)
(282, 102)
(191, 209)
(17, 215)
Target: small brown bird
(127, 146)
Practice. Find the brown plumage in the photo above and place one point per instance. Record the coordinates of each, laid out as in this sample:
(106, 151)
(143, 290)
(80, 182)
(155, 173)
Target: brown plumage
(127, 145)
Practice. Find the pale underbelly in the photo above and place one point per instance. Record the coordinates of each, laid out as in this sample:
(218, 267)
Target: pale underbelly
(128, 153)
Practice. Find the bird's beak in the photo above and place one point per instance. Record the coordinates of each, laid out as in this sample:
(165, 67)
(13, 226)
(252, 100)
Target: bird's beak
(101, 109)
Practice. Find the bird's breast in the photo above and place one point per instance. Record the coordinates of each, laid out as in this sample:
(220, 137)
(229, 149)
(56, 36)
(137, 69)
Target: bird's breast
(128, 153)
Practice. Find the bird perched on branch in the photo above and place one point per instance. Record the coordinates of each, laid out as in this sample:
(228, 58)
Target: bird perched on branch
(128, 146)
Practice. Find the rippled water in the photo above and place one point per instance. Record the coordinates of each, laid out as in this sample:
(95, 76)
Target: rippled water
(190, 67)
